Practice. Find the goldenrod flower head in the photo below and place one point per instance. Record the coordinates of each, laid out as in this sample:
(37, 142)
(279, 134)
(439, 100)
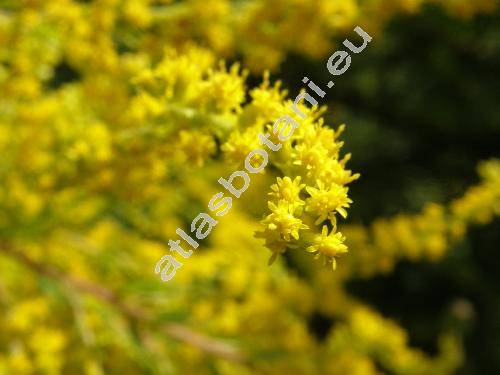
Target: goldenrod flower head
(287, 190)
(223, 90)
(239, 145)
(195, 146)
(137, 12)
(48, 344)
(324, 201)
(273, 241)
(27, 313)
(319, 135)
(340, 13)
(334, 172)
(328, 245)
(310, 158)
(267, 99)
(177, 73)
(143, 106)
(282, 220)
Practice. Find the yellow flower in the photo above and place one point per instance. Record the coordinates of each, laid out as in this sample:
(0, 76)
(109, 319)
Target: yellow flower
(310, 158)
(287, 190)
(328, 245)
(223, 90)
(267, 99)
(48, 344)
(325, 201)
(282, 220)
(28, 313)
(239, 145)
(273, 242)
(195, 147)
(137, 12)
(19, 362)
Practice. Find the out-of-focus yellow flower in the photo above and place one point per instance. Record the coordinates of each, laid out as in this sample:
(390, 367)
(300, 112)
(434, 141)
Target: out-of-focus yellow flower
(28, 313)
(195, 147)
(47, 345)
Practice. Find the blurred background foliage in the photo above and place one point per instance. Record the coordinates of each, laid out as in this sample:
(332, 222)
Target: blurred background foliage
(92, 188)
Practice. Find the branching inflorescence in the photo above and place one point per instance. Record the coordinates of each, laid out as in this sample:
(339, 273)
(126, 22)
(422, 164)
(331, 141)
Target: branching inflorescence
(297, 144)
(115, 127)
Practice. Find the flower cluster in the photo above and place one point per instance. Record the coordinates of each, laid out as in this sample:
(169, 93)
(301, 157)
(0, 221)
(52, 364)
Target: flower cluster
(114, 127)
(304, 210)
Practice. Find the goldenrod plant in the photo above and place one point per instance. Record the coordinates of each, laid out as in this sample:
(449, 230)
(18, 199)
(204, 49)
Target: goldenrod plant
(122, 121)
(311, 153)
